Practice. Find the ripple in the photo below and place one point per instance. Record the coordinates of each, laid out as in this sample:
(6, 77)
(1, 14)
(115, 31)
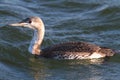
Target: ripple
(95, 21)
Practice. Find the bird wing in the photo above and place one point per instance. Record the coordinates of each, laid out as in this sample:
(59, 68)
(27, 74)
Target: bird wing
(71, 47)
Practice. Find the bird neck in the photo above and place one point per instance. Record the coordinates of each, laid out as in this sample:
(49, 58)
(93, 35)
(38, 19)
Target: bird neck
(35, 45)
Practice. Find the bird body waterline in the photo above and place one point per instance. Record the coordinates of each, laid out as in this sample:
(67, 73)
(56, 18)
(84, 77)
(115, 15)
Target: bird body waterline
(76, 50)
(68, 50)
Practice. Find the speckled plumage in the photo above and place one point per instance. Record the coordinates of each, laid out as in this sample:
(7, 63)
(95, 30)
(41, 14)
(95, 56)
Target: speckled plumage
(75, 50)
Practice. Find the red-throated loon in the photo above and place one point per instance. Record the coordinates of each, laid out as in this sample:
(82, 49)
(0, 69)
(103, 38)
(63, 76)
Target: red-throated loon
(68, 50)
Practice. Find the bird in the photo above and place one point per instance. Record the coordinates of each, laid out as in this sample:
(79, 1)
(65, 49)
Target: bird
(65, 50)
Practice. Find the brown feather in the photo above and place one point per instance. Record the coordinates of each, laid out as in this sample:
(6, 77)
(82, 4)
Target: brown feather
(70, 48)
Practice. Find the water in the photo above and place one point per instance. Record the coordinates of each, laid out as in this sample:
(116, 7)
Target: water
(95, 21)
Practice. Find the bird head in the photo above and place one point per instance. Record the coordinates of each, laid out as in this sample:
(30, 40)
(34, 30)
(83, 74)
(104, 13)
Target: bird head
(32, 22)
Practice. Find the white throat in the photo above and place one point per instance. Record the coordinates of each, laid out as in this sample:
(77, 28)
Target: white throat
(36, 41)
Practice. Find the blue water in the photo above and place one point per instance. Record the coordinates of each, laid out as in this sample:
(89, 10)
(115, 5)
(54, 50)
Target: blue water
(95, 21)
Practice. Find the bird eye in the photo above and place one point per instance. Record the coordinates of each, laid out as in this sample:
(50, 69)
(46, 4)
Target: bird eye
(29, 21)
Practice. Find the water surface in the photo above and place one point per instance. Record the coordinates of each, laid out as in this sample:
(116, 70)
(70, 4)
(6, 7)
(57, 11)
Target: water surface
(95, 21)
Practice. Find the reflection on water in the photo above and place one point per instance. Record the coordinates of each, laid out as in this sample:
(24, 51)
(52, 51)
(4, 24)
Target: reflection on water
(72, 69)
(78, 20)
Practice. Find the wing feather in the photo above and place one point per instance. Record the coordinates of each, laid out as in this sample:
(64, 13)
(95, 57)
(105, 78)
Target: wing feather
(71, 47)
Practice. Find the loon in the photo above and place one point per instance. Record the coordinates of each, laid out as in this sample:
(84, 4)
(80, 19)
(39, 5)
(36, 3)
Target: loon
(67, 50)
